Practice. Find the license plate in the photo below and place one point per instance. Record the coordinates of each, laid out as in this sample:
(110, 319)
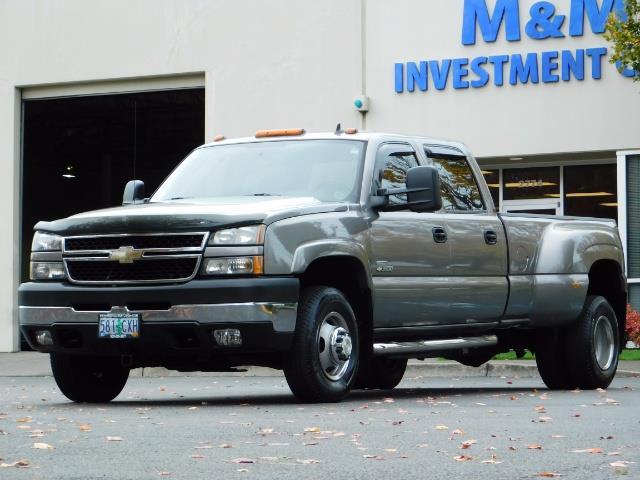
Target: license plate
(119, 325)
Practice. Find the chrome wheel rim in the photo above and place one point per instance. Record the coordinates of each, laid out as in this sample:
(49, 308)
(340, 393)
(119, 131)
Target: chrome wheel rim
(334, 346)
(604, 342)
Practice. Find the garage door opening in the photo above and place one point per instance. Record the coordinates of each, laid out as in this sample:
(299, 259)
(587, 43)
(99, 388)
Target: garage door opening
(78, 152)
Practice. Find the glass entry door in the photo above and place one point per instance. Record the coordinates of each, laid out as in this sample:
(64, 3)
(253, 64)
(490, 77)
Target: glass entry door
(543, 206)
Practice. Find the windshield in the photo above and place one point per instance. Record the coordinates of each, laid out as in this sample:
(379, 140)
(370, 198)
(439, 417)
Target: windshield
(328, 170)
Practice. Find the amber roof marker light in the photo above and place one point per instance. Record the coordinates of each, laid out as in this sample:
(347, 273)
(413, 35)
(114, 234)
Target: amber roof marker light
(288, 132)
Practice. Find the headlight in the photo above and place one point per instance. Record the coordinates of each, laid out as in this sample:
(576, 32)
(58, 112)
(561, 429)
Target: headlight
(47, 271)
(46, 242)
(233, 266)
(252, 235)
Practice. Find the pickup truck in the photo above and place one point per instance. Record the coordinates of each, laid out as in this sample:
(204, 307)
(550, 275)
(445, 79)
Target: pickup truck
(334, 257)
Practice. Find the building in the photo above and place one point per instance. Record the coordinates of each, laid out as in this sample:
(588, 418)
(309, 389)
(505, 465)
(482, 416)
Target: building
(95, 93)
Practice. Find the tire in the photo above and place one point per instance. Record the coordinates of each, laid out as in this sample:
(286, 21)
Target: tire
(551, 359)
(593, 345)
(381, 373)
(87, 378)
(323, 361)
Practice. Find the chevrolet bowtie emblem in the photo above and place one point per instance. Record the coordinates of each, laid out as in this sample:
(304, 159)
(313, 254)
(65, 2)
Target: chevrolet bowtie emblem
(125, 255)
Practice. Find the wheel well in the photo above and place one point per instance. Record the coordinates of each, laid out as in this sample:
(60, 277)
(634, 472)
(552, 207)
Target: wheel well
(348, 275)
(606, 279)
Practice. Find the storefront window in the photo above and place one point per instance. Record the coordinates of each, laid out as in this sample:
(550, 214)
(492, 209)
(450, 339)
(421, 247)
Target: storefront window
(591, 191)
(531, 183)
(492, 177)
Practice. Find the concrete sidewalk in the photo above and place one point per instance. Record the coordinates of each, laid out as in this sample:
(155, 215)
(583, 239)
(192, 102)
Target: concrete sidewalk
(34, 364)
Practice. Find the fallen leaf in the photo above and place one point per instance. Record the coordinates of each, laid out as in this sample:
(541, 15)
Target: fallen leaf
(223, 445)
(24, 420)
(19, 464)
(242, 470)
(388, 400)
(84, 427)
(242, 460)
(265, 431)
(308, 461)
(614, 454)
(312, 429)
(373, 457)
(611, 401)
(493, 459)
(114, 439)
(163, 473)
(43, 446)
(534, 446)
(458, 431)
(588, 450)
(309, 444)
(197, 457)
(466, 444)
(192, 408)
(549, 474)
(441, 427)
(462, 458)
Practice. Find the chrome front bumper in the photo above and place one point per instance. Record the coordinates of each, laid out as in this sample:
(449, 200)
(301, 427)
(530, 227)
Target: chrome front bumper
(282, 316)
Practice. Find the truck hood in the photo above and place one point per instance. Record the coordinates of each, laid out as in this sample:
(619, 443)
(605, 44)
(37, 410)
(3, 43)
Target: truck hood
(188, 215)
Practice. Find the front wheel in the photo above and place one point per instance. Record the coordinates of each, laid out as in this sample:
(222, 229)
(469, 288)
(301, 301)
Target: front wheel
(88, 378)
(322, 364)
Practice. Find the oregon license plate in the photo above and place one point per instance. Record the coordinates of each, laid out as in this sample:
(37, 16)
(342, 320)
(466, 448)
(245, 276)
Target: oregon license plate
(119, 325)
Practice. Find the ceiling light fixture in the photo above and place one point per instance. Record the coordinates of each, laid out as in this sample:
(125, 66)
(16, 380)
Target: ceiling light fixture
(588, 194)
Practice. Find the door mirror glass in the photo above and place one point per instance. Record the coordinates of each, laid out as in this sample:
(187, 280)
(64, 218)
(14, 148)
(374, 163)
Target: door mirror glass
(423, 189)
(133, 192)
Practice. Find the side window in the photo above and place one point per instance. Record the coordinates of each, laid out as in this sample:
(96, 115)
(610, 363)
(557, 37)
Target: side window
(459, 189)
(392, 162)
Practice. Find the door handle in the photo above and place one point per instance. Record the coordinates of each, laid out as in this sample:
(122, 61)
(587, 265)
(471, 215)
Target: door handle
(439, 235)
(490, 237)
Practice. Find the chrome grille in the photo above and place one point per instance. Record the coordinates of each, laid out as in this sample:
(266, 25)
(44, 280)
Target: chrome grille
(100, 243)
(138, 258)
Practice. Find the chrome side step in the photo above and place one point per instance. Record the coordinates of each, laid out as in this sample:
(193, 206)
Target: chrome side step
(425, 346)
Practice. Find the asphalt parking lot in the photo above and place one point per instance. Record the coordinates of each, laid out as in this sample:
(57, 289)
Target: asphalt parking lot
(251, 427)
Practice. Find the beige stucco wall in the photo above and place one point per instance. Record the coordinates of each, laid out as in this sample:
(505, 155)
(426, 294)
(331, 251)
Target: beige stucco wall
(283, 63)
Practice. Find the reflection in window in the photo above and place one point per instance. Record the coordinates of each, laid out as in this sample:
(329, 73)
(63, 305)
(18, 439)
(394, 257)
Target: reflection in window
(392, 163)
(492, 177)
(457, 184)
(591, 191)
(530, 183)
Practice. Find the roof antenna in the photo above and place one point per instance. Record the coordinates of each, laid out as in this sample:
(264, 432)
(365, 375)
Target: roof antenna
(338, 129)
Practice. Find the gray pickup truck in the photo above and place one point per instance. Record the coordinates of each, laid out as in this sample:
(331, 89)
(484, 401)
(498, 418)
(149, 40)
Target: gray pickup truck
(335, 257)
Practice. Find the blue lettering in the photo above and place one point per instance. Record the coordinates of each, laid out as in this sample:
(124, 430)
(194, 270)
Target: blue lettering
(544, 22)
(597, 16)
(626, 72)
(477, 12)
(399, 75)
(596, 55)
(478, 69)
(440, 74)
(571, 64)
(549, 66)
(417, 75)
(524, 71)
(498, 68)
(460, 72)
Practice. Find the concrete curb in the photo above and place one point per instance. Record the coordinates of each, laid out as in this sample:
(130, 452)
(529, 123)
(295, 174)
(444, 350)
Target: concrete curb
(33, 364)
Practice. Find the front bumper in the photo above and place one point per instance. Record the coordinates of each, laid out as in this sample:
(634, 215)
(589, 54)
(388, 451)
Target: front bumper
(176, 320)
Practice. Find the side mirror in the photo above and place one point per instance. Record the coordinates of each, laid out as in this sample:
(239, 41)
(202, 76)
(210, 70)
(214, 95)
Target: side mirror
(423, 189)
(133, 192)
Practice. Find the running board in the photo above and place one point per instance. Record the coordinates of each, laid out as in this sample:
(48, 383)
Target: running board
(425, 346)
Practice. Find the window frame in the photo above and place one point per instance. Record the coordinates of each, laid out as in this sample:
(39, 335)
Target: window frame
(431, 153)
(376, 170)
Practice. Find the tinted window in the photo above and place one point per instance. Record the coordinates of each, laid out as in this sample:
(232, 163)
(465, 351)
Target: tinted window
(392, 162)
(531, 183)
(457, 184)
(591, 191)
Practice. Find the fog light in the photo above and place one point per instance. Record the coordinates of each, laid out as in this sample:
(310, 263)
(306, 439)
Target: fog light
(44, 338)
(47, 271)
(229, 337)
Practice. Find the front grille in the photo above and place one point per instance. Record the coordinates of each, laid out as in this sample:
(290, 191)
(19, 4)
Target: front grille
(164, 242)
(165, 269)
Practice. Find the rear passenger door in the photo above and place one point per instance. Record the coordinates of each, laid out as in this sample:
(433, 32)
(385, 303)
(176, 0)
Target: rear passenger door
(409, 267)
(478, 274)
